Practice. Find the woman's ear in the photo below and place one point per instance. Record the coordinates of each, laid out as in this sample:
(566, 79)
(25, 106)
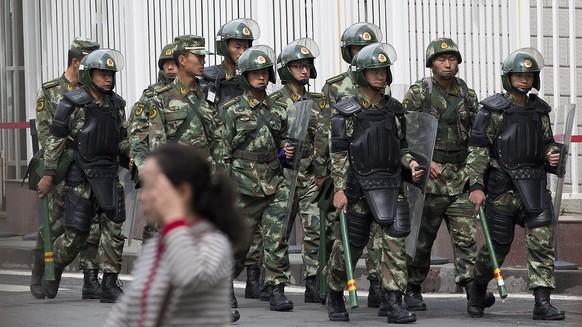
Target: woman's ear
(186, 195)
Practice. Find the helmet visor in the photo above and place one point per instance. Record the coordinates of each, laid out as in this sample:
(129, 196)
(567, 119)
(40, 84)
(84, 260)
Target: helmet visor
(107, 59)
(299, 49)
(243, 28)
(247, 60)
(511, 63)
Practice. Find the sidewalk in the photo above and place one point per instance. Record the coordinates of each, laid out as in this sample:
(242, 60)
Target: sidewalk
(15, 253)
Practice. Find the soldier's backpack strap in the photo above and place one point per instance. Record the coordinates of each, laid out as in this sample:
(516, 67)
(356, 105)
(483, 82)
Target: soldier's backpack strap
(427, 90)
(348, 106)
(496, 102)
(193, 112)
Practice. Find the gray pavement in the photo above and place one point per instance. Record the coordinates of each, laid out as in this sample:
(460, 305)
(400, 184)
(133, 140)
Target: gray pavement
(19, 308)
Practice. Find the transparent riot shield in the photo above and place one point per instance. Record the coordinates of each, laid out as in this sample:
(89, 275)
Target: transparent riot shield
(131, 203)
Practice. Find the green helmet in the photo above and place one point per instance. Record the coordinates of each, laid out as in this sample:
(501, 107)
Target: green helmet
(167, 54)
(240, 29)
(441, 46)
(255, 58)
(304, 48)
(359, 34)
(104, 59)
(372, 56)
(524, 60)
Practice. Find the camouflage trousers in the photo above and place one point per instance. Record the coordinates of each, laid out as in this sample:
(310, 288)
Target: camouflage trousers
(459, 215)
(88, 253)
(392, 270)
(538, 241)
(111, 241)
(266, 214)
(149, 231)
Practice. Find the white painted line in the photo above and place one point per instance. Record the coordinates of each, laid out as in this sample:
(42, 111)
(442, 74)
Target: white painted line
(19, 288)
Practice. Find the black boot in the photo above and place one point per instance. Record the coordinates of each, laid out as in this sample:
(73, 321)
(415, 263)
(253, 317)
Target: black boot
(91, 287)
(233, 300)
(396, 313)
(110, 290)
(489, 299)
(234, 315)
(413, 298)
(311, 292)
(253, 282)
(374, 292)
(51, 287)
(543, 309)
(278, 300)
(36, 276)
(265, 293)
(476, 302)
(336, 308)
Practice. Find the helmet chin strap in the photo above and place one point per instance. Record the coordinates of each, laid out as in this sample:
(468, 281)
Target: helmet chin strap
(260, 89)
(376, 88)
(522, 90)
(302, 82)
(101, 90)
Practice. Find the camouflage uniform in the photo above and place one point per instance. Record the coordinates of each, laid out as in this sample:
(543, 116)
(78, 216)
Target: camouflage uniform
(47, 100)
(447, 196)
(251, 160)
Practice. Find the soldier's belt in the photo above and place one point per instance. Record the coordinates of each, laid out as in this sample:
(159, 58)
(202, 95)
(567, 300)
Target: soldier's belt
(256, 156)
(457, 157)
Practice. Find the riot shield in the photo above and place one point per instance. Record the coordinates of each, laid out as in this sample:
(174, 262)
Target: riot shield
(131, 203)
(298, 120)
(421, 129)
(563, 125)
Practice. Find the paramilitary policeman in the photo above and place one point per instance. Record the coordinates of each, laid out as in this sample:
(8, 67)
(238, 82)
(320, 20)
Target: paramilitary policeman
(336, 88)
(513, 145)
(256, 132)
(90, 130)
(233, 38)
(47, 100)
(454, 105)
(369, 150)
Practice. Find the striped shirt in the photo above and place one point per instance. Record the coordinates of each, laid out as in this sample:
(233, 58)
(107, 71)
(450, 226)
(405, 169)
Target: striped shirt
(195, 263)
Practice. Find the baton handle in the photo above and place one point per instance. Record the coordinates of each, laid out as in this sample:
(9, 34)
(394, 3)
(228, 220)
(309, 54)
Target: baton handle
(353, 295)
(49, 265)
(496, 269)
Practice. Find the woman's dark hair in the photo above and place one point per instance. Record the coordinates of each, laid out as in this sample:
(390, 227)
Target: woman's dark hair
(213, 196)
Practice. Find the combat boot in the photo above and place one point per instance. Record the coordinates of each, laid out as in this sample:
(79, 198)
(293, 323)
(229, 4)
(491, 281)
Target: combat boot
(110, 290)
(543, 309)
(336, 308)
(413, 298)
(253, 286)
(91, 287)
(489, 300)
(265, 293)
(36, 276)
(51, 287)
(396, 313)
(374, 292)
(311, 294)
(233, 300)
(278, 300)
(476, 302)
(234, 315)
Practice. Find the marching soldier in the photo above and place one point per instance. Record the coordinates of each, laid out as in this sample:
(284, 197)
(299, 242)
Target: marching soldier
(448, 99)
(233, 38)
(139, 124)
(295, 68)
(255, 133)
(353, 39)
(47, 101)
(516, 179)
(89, 130)
(367, 181)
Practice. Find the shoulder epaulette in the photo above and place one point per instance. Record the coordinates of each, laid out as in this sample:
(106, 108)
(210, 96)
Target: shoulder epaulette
(50, 84)
(276, 95)
(335, 79)
(496, 102)
(281, 104)
(395, 106)
(149, 93)
(316, 95)
(230, 102)
(163, 89)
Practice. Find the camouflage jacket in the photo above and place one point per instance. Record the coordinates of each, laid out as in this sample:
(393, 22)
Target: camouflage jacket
(169, 108)
(139, 123)
(455, 111)
(47, 101)
(479, 159)
(340, 164)
(313, 161)
(55, 146)
(254, 134)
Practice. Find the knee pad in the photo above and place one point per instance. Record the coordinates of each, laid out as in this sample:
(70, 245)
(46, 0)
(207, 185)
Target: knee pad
(544, 217)
(401, 225)
(358, 228)
(78, 213)
(501, 224)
